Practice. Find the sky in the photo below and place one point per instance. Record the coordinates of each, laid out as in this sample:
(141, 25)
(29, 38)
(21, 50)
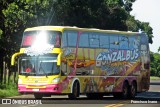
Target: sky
(149, 11)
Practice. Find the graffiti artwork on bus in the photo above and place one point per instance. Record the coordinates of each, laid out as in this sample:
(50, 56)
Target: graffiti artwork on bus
(114, 61)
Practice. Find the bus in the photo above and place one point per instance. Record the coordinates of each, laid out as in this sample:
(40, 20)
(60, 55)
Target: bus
(73, 61)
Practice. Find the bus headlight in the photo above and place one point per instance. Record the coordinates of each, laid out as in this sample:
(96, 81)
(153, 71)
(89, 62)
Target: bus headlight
(19, 81)
(56, 80)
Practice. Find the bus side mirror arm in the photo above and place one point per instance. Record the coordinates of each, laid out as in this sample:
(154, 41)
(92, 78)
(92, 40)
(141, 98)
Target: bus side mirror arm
(13, 58)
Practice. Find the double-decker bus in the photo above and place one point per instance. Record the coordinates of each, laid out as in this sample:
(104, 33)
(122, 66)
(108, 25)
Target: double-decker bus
(56, 60)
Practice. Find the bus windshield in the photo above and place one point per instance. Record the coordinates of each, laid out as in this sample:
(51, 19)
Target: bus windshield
(40, 38)
(42, 66)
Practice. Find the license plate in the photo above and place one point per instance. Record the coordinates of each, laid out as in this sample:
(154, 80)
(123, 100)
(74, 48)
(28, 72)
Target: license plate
(35, 89)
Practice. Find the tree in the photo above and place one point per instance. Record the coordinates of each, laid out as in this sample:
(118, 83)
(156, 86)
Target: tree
(103, 14)
(155, 64)
(136, 25)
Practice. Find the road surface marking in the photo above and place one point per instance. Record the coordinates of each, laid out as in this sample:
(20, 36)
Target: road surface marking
(118, 104)
(114, 105)
(111, 105)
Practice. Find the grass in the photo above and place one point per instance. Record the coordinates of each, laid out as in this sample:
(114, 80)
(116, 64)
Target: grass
(154, 78)
(8, 90)
(8, 93)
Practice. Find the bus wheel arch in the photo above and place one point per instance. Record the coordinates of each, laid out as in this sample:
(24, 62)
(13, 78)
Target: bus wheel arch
(75, 89)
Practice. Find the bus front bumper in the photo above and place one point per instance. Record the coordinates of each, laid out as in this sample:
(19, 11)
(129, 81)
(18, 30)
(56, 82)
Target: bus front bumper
(49, 88)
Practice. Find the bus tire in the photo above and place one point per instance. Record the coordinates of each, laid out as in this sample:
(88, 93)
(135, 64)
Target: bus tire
(133, 90)
(38, 96)
(125, 90)
(75, 91)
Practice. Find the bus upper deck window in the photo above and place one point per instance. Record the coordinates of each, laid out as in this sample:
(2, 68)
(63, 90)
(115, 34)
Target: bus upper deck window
(54, 39)
(41, 37)
(28, 40)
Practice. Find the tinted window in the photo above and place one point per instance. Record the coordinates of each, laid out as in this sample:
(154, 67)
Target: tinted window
(41, 37)
(64, 40)
(124, 42)
(114, 42)
(84, 42)
(71, 38)
(104, 41)
(94, 40)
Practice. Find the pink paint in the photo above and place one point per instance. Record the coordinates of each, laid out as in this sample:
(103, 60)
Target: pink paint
(50, 88)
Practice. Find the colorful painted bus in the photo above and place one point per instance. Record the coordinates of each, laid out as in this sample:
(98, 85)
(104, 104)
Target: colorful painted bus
(57, 60)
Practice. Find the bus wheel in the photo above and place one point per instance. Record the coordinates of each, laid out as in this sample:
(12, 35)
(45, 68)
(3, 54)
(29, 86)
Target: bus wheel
(75, 91)
(125, 90)
(38, 95)
(124, 94)
(133, 90)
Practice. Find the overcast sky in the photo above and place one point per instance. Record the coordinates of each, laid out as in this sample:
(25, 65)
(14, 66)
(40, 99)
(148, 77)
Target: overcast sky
(149, 11)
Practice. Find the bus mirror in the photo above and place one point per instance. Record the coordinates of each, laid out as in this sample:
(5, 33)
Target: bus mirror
(13, 58)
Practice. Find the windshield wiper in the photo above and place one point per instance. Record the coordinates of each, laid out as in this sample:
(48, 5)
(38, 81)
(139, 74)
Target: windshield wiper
(43, 70)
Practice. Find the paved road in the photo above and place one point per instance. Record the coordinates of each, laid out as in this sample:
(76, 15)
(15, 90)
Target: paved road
(143, 100)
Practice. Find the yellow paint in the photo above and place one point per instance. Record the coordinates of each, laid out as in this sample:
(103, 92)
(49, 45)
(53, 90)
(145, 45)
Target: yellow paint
(117, 105)
(13, 58)
(59, 59)
(22, 50)
(62, 28)
(28, 86)
(56, 50)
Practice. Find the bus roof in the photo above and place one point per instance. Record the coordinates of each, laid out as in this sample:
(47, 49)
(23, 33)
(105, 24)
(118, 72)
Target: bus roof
(62, 28)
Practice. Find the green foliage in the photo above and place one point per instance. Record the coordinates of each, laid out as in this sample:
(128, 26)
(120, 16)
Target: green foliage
(104, 14)
(154, 78)
(147, 29)
(155, 64)
(8, 93)
(7, 90)
(136, 25)
(132, 24)
(1, 32)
